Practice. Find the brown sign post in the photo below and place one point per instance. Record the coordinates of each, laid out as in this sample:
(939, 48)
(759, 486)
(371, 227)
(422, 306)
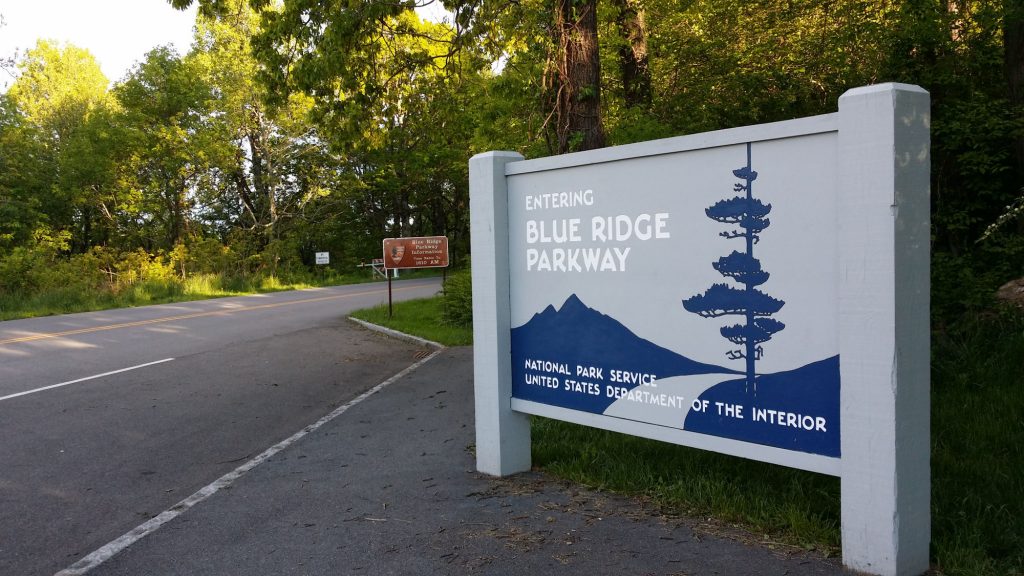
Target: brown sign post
(414, 252)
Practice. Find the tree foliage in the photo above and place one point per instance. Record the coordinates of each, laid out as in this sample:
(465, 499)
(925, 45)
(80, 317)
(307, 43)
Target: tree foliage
(166, 103)
(299, 125)
(52, 113)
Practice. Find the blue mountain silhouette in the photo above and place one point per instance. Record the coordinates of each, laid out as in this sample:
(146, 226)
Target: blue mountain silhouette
(577, 335)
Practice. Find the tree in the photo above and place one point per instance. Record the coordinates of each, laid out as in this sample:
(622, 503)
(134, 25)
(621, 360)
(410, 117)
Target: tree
(57, 87)
(408, 167)
(397, 106)
(634, 63)
(24, 179)
(1013, 62)
(7, 62)
(90, 168)
(61, 99)
(578, 75)
(331, 51)
(756, 307)
(796, 58)
(166, 111)
(270, 160)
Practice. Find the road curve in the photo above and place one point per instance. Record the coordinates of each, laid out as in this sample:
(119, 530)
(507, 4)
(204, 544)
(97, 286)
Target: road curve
(109, 418)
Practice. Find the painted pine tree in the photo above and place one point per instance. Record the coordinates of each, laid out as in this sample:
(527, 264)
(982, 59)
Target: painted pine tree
(746, 301)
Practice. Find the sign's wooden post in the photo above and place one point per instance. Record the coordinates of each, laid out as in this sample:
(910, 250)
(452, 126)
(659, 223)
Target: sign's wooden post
(884, 239)
(502, 436)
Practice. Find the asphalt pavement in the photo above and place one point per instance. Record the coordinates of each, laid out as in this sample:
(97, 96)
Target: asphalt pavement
(37, 352)
(109, 418)
(388, 487)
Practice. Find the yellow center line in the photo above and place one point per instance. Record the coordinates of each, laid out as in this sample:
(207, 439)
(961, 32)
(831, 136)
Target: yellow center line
(49, 335)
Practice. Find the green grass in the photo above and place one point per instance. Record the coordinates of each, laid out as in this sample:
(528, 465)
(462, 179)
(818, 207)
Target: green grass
(421, 318)
(977, 456)
(75, 299)
(787, 505)
(70, 299)
(978, 446)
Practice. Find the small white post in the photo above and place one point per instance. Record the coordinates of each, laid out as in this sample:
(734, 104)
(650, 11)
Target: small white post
(884, 344)
(502, 436)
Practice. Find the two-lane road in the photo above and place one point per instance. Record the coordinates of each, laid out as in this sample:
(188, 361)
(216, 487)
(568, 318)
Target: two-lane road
(109, 418)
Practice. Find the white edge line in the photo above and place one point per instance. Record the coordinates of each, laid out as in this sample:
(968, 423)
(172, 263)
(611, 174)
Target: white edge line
(114, 547)
(70, 382)
(396, 333)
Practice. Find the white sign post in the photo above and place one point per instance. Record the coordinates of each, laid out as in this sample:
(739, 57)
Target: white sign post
(760, 292)
(502, 435)
(323, 258)
(884, 236)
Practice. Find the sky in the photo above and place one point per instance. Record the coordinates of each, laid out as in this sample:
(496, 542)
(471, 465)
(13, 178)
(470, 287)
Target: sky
(118, 33)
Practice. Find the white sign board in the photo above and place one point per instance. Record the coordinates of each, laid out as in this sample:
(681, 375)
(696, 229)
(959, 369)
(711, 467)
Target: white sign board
(761, 292)
(323, 258)
(686, 291)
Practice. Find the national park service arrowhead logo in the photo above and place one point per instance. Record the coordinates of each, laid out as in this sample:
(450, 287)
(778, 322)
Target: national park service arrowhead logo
(396, 253)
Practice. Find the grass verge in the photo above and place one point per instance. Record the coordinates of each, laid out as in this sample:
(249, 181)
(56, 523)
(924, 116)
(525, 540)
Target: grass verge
(420, 318)
(71, 299)
(977, 455)
(781, 504)
(978, 446)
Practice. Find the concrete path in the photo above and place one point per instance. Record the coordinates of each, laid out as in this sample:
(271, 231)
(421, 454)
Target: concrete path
(389, 487)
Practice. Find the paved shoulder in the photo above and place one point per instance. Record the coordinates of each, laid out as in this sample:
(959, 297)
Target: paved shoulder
(389, 488)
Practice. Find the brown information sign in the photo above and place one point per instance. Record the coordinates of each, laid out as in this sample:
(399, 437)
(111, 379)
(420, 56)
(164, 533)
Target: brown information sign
(418, 252)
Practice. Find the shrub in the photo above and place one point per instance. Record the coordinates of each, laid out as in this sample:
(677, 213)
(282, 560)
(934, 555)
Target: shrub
(458, 299)
(24, 268)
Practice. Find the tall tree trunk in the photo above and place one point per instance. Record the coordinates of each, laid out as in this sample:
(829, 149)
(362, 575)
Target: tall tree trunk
(87, 239)
(956, 21)
(636, 75)
(578, 102)
(173, 196)
(1013, 58)
(174, 231)
(181, 214)
(259, 175)
(271, 195)
(263, 180)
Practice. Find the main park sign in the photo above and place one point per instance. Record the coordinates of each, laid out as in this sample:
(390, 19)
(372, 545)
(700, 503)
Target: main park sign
(760, 292)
